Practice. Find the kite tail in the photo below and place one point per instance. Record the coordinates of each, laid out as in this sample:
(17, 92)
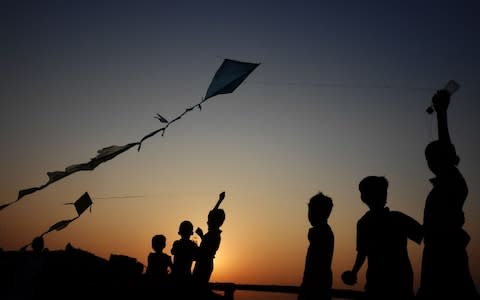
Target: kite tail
(7, 205)
(239, 70)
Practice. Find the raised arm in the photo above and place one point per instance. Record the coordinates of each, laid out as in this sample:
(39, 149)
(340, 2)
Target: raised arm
(440, 102)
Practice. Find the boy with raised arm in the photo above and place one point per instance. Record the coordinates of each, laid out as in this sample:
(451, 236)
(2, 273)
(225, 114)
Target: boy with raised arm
(208, 248)
(445, 271)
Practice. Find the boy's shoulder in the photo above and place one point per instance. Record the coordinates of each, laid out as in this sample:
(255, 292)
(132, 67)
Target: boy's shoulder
(375, 216)
(188, 243)
(366, 217)
(165, 255)
(396, 213)
(399, 215)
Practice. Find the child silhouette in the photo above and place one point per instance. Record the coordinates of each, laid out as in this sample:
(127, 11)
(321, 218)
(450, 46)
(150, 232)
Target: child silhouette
(445, 268)
(208, 247)
(184, 252)
(159, 263)
(382, 237)
(317, 275)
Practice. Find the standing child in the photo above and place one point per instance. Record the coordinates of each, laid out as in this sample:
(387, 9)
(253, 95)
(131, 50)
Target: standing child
(184, 252)
(208, 247)
(159, 263)
(317, 276)
(382, 237)
(445, 268)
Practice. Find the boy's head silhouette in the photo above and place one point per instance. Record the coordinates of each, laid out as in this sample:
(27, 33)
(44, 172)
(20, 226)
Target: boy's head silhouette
(441, 156)
(185, 229)
(319, 209)
(216, 217)
(158, 242)
(373, 191)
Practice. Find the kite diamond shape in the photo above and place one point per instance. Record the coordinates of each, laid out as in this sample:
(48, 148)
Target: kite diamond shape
(83, 203)
(229, 76)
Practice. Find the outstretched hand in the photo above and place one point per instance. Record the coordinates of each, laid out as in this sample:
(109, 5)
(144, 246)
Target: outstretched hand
(348, 277)
(199, 231)
(441, 100)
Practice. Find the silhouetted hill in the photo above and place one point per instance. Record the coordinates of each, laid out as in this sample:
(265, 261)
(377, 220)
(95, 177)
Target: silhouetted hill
(71, 273)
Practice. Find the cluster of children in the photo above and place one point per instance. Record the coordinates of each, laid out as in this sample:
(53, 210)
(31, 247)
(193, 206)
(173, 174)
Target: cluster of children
(382, 235)
(177, 277)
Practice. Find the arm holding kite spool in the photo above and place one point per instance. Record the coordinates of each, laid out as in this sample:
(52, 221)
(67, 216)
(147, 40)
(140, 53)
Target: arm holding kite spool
(440, 102)
(441, 153)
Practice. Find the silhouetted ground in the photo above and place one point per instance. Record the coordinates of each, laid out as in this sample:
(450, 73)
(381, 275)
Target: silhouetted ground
(71, 274)
(77, 274)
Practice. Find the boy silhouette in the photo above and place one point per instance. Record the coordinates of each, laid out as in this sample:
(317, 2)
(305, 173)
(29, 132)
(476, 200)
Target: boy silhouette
(184, 252)
(208, 247)
(382, 237)
(445, 271)
(317, 275)
(159, 263)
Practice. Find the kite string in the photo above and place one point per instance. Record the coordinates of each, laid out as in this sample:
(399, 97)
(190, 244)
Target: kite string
(57, 226)
(341, 85)
(199, 105)
(163, 129)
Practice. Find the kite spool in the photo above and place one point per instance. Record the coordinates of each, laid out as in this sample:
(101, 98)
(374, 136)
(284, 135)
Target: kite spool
(451, 87)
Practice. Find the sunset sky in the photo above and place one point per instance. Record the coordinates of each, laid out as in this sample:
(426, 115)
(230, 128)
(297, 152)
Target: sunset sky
(340, 94)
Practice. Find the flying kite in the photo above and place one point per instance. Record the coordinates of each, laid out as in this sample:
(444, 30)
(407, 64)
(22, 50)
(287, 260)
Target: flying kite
(81, 205)
(228, 77)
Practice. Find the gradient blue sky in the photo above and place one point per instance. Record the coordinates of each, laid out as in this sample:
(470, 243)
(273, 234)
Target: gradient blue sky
(340, 94)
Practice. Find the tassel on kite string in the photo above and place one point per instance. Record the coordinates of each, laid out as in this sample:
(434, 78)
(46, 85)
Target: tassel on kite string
(160, 118)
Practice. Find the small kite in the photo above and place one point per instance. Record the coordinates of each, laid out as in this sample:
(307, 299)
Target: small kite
(228, 77)
(81, 205)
